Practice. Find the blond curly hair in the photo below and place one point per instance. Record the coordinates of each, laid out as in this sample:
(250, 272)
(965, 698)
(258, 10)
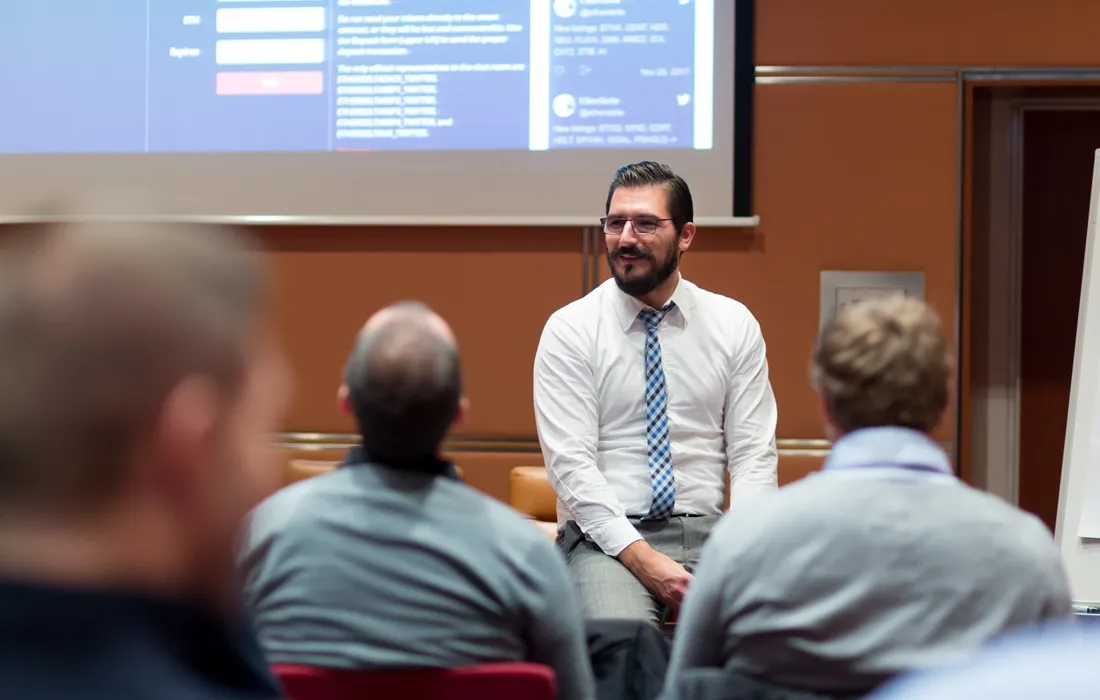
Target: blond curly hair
(884, 362)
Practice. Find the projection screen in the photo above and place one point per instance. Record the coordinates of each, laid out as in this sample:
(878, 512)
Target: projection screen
(417, 111)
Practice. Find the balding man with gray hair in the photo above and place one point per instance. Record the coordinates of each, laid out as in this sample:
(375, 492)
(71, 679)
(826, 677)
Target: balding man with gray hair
(390, 561)
(403, 383)
(139, 383)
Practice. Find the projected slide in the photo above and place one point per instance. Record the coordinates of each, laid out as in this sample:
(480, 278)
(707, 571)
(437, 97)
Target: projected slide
(133, 76)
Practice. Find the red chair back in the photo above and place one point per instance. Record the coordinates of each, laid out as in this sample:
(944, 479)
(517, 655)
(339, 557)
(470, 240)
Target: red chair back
(505, 681)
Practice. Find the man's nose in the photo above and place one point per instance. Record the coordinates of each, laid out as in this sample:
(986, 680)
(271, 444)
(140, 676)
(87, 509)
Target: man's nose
(629, 235)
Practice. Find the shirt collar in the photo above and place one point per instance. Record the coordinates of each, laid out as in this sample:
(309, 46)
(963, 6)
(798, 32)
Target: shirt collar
(426, 465)
(627, 307)
(888, 446)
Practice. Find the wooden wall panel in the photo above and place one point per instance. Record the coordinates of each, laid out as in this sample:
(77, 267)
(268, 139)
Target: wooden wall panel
(848, 176)
(926, 32)
(496, 288)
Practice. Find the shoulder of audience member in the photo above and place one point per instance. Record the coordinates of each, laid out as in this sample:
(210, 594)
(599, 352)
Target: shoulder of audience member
(1030, 529)
(1051, 660)
(814, 499)
(1038, 537)
(279, 509)
(739, 527)
(508, 521)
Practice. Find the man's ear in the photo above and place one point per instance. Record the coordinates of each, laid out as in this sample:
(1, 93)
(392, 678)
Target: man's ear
(463, 413)
(687, 235)
(190, 413)
(343, 399)
(184, 434)
(831, 432)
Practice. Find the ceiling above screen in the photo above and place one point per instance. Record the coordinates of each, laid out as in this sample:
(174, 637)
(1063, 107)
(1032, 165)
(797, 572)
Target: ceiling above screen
(418, 111)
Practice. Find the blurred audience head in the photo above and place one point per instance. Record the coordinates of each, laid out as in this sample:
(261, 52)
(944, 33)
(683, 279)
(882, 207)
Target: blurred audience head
(140, 385)
(403, 383)
(883, 363)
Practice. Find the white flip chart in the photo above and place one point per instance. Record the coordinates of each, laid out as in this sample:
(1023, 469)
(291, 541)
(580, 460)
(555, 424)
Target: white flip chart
(1078, 525)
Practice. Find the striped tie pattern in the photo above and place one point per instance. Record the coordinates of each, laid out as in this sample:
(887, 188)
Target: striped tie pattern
(656, 419)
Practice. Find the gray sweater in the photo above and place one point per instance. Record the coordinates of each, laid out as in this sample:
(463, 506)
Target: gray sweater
(371, 567)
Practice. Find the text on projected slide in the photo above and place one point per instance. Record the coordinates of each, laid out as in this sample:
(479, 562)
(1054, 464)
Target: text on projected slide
(308, 75)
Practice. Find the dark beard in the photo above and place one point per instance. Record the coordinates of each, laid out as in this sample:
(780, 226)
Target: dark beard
(645, 284)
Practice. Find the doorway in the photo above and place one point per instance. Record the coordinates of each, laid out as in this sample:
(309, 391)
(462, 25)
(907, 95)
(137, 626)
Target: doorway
(1033, 152)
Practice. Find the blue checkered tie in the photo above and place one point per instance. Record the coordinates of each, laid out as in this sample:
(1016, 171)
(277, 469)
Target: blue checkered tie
(656, 419)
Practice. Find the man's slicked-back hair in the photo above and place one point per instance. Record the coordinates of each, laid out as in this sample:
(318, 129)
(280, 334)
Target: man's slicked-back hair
(99, 322)
(651, 174)
(404, 380)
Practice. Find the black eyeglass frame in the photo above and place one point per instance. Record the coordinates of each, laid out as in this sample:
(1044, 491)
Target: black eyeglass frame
(657, 221)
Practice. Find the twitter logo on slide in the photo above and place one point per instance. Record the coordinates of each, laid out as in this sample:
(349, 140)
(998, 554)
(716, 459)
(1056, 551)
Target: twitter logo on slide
(566, 8)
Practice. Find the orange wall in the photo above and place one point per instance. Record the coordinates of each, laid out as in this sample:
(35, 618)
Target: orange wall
(850, 172)
(496, 287)
(926, 32)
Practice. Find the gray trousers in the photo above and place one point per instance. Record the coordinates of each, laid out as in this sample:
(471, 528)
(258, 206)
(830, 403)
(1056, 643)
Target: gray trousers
(607, 589)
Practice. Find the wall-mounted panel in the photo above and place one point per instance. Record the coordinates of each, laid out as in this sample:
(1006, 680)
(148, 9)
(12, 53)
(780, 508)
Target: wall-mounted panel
(848, 176)
(926, 32)
(496, 287)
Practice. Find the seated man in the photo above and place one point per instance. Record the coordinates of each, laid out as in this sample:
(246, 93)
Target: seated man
(882, 562)
(389, 561)
(140, 386)
(649, 392)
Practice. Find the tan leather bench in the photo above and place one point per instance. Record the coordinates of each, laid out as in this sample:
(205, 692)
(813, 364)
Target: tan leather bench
(530, 494)
(299, 469)
(305, 463)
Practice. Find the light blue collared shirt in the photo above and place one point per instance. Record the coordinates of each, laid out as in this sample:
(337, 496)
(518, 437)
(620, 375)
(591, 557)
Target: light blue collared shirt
(1057, 663)
(880, 563)
(888, 448)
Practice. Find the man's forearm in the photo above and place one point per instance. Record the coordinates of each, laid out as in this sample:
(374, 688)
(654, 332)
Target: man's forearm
(634, 555)
(662, 576)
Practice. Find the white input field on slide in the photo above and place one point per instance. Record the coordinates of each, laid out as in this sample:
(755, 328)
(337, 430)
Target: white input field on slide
(242, 52)
(269, 20)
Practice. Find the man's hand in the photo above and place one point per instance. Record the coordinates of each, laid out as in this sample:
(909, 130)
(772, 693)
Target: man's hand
(663, 577)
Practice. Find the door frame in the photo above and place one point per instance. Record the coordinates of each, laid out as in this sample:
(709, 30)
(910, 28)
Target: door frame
(996, 306)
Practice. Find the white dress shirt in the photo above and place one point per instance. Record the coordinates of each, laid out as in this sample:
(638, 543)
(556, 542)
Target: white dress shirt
(590, 408)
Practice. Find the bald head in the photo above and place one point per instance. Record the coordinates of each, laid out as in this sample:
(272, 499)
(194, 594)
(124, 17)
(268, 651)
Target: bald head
(404, 382)
(98, 323)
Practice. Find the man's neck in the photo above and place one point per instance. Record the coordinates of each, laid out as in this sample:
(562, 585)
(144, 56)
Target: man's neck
(659, 296)
(95, 553)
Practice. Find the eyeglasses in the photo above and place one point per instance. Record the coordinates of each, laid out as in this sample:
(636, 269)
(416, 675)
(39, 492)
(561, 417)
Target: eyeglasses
(642, 225)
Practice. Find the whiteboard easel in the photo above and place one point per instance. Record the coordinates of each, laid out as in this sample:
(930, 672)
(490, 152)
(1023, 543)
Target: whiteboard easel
(1078, 526)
